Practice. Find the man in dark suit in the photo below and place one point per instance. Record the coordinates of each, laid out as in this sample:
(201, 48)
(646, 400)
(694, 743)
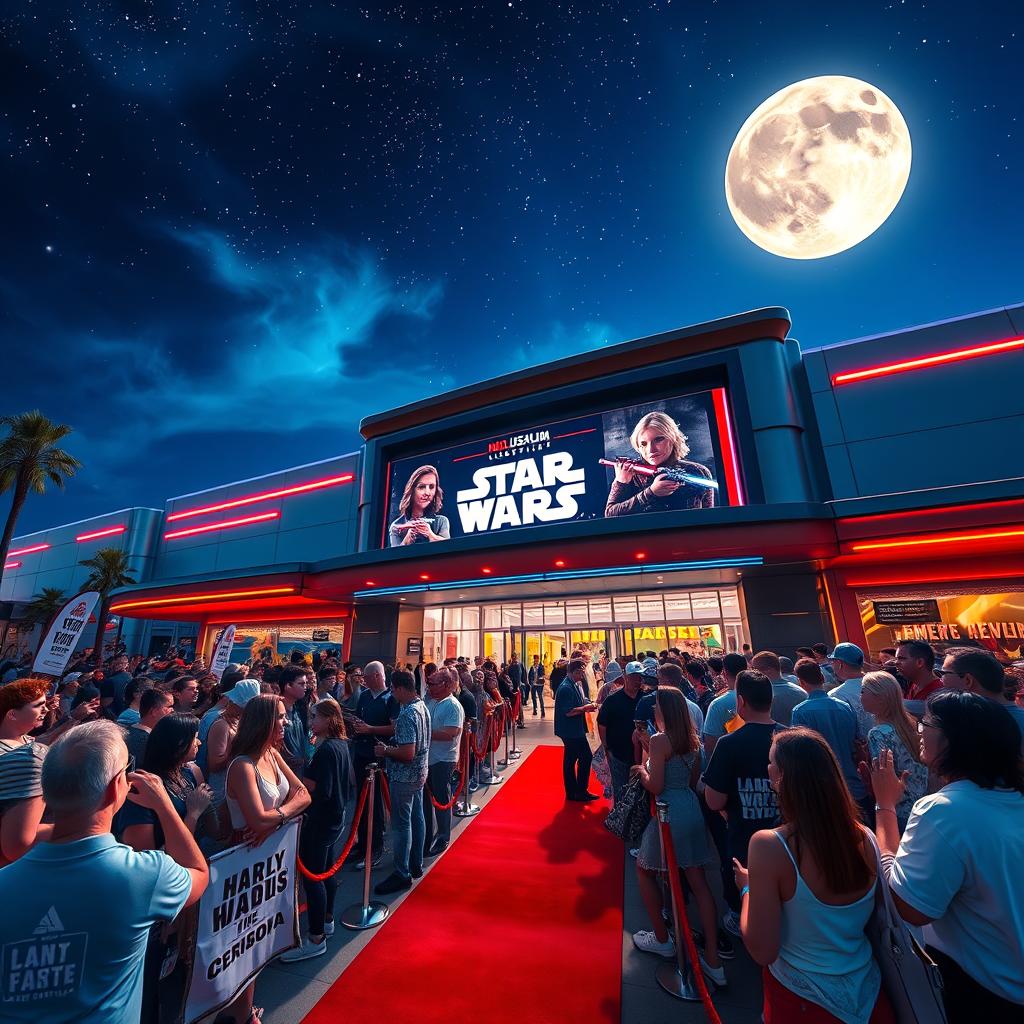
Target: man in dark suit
(571, 708)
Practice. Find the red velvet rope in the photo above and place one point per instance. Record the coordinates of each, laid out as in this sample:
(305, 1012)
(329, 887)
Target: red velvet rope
(683, 925)
(484, 730)
(463, 765)
(360, 807)
(385, 790)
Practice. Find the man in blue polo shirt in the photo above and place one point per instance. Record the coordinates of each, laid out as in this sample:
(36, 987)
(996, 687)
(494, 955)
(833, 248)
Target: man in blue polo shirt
(837, 722)
(78, 909)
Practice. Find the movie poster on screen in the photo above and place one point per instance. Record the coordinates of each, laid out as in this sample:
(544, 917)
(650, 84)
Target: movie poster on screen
(551, 471)
(247, 915)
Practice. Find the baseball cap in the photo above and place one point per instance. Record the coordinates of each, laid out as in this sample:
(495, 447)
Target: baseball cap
(612, 672)
(650, 667)
(243, 691)
(849, 654)
(634, 668)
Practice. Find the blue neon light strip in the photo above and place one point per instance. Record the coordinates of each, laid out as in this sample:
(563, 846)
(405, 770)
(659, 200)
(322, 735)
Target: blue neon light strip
(568, 574)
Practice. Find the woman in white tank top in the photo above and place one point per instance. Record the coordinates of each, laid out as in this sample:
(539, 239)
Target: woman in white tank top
(809, 892)
(262, 793)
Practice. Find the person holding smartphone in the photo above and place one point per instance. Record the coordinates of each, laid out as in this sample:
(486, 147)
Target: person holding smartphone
(616, 722)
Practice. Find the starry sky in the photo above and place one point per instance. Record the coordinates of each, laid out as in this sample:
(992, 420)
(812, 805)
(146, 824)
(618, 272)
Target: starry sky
(233, 229)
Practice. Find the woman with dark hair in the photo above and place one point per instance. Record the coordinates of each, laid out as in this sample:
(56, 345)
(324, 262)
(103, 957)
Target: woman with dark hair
(262, 794)
(207, 694)
(809, 891)
(170, 754)
(330, 781)
(671, 774)
(957, 867)
(420, 520)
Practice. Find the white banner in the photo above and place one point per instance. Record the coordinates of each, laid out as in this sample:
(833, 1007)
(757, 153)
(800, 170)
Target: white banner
(63, 634)
(222, 652)
(247, 915)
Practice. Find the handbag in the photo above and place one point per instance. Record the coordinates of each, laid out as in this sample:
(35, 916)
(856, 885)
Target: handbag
(910, 978)
(601, 768)
(631, 813)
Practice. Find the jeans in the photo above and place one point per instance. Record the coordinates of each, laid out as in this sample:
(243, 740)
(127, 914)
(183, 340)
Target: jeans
(407, 826)
(535, 692)
(576, 760)
(620, 774)
(319, 852)
(439, 823)
(720, 837)
(359, 767)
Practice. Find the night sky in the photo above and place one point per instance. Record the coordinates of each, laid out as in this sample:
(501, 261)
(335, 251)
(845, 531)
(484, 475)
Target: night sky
(233, 229)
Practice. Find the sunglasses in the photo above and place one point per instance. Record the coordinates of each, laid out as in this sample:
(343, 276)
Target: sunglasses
(127, 769)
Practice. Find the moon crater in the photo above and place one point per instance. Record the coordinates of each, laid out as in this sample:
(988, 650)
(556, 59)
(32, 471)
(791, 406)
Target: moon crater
(818, 167)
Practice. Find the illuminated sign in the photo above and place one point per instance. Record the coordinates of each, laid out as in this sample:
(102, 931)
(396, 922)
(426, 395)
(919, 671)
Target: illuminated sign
(551, 472)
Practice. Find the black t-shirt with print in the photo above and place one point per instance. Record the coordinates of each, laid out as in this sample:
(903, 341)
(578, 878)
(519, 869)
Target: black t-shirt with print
(617, 715)
(739, 768)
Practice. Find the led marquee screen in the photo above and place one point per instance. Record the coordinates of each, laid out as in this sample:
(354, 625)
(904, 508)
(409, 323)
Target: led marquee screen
(663, 456)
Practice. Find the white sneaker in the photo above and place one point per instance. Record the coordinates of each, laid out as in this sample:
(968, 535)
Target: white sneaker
(306, 951)
(731, 923)
(328, 929)
(647, 942)
(716, 974)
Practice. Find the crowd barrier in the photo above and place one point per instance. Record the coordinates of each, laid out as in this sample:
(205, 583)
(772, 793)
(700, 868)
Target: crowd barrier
(684, 979)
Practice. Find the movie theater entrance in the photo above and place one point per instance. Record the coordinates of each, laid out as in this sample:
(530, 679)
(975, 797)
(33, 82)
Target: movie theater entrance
(702, 621)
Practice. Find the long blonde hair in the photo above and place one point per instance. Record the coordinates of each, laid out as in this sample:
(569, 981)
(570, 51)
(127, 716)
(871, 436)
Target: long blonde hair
(678, 724)
(884, 688)
(668, 426)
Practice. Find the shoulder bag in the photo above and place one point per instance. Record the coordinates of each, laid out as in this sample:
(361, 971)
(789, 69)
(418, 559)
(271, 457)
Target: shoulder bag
(631, 812)
(910, 978)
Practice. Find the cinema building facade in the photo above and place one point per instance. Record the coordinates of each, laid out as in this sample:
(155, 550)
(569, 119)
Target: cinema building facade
(869, 490)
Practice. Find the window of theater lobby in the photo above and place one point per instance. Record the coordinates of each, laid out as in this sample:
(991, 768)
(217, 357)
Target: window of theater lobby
(700, 621)
(989, 617)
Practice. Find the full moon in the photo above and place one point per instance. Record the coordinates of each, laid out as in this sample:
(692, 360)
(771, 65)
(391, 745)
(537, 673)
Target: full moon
(818, 167)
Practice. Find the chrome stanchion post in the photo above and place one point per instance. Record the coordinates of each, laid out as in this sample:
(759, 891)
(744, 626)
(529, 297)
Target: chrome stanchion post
(676, 979)
(361, 916)
(507, 716)
(515, 753)
(473, 782)
(466, 809)
(494, 778)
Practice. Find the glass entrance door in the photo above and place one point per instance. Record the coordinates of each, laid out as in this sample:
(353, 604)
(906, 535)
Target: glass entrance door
(549, 644)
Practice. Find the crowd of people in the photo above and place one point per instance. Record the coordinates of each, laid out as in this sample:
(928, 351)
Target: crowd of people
(809, 785)
(138, 771)
(783, 778)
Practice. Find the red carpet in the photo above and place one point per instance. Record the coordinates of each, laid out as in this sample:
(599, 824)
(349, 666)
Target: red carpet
(519, 922)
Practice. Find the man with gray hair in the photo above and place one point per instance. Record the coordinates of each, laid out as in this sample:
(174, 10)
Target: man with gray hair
(374, 721)
(78, 909)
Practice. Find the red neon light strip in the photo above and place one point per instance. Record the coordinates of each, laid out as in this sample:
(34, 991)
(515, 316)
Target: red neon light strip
(224, 524)
(906, 581)
(28, 551)
(937, 510)
(937, 360)
(108, 532)
(283, 492)
(193, 598)
(728, 445)
(949, 538)
(13, 565)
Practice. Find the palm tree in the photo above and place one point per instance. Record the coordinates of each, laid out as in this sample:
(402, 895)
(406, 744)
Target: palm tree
(44, 606)
(29, 459)
(110, 570)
